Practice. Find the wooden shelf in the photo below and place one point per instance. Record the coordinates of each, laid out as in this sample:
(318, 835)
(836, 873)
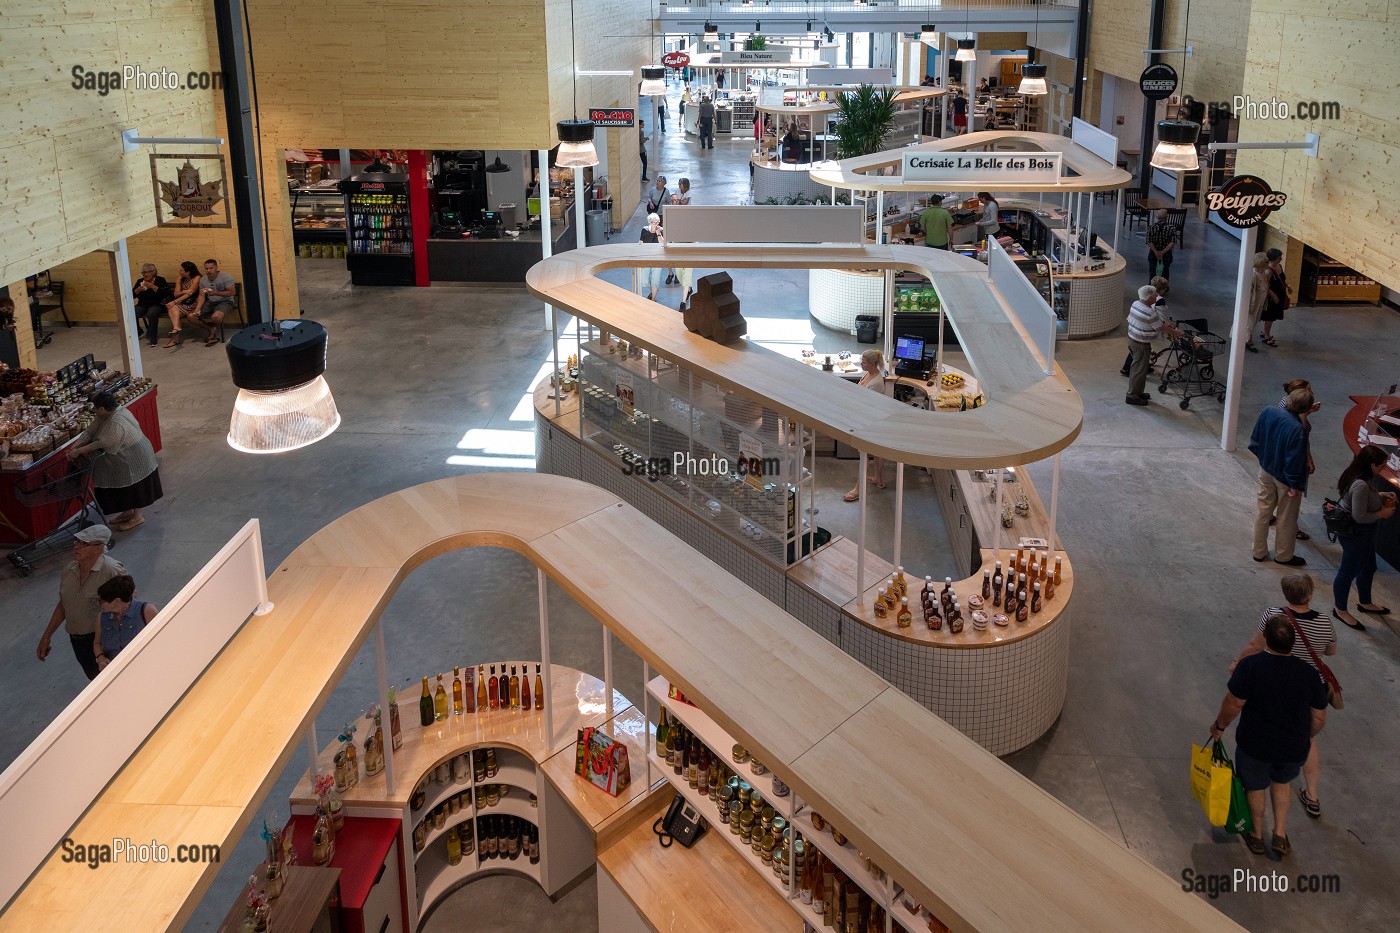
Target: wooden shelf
(455, 819)
(845, 858)
(441, 876)
(712, 736)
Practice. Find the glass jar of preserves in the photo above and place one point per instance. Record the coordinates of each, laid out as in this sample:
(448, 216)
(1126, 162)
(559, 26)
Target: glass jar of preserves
(493, 794)
(420, 835)
(739, 754)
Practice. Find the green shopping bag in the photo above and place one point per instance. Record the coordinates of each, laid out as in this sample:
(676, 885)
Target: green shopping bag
(1240, 819)
(1211, 782)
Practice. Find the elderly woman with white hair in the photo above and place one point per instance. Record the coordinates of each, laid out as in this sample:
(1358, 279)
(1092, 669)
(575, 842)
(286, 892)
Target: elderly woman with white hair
(151, 292)
(650, 276)
(1145, 323)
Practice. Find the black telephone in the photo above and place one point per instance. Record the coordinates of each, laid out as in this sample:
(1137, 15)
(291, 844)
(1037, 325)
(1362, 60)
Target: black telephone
(682, 823)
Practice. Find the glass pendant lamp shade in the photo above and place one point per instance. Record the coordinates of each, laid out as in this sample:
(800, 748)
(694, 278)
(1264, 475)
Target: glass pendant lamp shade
(711, 33)
(576, 144)
(928, 34)
(967, 51)
(1033, 80)
(284, 402)
(1176, 146)
(653, 80)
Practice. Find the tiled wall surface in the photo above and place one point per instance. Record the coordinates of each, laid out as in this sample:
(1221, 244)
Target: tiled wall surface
(1095, 306)
(836, 297)
(775, 183)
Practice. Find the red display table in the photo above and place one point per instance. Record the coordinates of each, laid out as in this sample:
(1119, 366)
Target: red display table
(20, 523)
(368, 853)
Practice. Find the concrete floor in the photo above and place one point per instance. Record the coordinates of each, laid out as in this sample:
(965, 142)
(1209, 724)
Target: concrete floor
(430, 383)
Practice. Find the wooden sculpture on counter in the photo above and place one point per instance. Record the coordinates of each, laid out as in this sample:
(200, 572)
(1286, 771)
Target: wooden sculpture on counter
(713, 312)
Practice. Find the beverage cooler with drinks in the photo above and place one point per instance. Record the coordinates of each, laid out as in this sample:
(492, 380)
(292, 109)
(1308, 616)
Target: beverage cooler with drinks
(379, 229)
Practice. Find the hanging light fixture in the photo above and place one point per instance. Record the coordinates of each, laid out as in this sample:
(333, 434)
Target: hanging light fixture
(967, 51)
(653, 80)
(1176, 139)
(928, 33)
(575, 136)
(283, 400)
(711, 33)
(497, 167)
(1033, 80)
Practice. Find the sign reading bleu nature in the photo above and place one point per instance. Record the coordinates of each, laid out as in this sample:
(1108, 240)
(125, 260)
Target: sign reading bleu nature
(612, 116)
(776, 56)
(1158, 82)
(975, 168)
(1245, 201)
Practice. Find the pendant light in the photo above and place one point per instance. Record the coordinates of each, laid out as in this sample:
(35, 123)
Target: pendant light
(1176, 139)
(928, 33)
(967, 51)
(1033, 73)
(497, 167)
(711, 33)
(653, 80)
(576, 148)
(283, 400)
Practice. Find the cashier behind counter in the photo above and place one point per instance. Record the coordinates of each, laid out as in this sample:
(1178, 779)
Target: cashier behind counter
(979, 216)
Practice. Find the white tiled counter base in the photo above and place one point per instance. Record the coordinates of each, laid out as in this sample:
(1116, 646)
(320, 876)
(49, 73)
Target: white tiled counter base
(784, 183)
(836, 296)
(1096, 305)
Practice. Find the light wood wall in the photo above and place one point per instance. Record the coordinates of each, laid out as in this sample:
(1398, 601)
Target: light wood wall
(1343, 201)
(66, 188)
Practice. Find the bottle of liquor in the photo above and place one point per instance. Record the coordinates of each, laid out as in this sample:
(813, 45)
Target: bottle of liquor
(534, 845)
(702, 773)
(456, 691)
(503, 836)
(880, 610)
(906, 618)
(454, 847)
(663, 734)
(468, 692)
(1035, 599)
(997, 582)
(493, 691)
(692, 768)
(1023, 609)
(440, 700)
(986, 584)
(395, 727)
(425, 705)
(504, 686)
(513, 838)
(539, 689)
(682, 761)
(514, 688)
(525, 687)
(486, 837)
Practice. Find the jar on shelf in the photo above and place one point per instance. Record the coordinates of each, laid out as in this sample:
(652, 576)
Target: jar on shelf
(465, 834)
(420, 795)
(493, 794)
(491, 767)
(780, 789)
(420, 835)
(479, 767)
(461, 769)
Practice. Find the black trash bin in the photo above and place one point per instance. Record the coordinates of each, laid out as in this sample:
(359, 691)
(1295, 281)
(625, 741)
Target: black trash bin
(867, 328)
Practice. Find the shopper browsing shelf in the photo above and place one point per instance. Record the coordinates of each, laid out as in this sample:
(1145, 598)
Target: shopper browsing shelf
(1322, 637)
(78, 603)
(872, 365)
(122, 618)
(1280, 442)
(989, 222)
(1359, 497)
(1282, 704)
(126, 476)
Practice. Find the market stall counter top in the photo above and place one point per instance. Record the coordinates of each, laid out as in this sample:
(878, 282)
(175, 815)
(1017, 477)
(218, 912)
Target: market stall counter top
(1010, 856)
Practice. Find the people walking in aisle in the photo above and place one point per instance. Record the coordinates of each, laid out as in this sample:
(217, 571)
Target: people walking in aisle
(1161, 244)
(1280, 442)
(706, 123)
(1282, 704)
(642, 138)
(1162, 286)
(1145, 323)
(1258, 295)
(686, 100)
(658, 196)
(661, 114)
(78, 605)
(1278, 297)
(682, 276)
(122, 619)
(1322, 638)
(125, 474)
(872, 365)
(1358, 495)
(648, 276)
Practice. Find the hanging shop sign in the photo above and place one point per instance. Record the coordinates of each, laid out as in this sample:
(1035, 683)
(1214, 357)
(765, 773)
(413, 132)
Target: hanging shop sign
(675, 59)
(612, 116)
(1158, 82)
(1245, 201)
(976, 168)
(183, 197)
(756, 56)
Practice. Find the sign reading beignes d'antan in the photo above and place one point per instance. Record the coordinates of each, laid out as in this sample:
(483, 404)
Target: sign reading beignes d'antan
(1245, 201)
(983, 167)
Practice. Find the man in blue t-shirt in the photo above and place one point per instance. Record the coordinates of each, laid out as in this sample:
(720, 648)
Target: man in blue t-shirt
(1282, 703)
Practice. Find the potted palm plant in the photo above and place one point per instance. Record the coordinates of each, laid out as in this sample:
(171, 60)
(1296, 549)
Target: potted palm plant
(864, 117)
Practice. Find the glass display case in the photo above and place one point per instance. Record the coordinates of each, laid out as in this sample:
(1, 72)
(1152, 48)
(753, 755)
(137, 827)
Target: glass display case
(720, 454)
(318, 217)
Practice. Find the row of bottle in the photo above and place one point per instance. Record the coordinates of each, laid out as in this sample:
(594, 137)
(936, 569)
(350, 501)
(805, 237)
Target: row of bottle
(1019, 596)
(379, 203)
(371, 247)
(504, 837)
(703, 769)
(841, 904)
(379, 221)
(486, 796)
(504, 692)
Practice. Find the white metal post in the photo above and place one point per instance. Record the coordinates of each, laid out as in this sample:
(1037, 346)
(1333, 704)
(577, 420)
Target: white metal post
(648, 737)
(942, 317)
(121, 288)
(543, 583)
(1054, 502)
(860, 550)
(887, 315)
(879, 216)
(1238, 337)
(898, 513)
(1117, 217)
(607, 671)
(264, 604)
(580, 210)
(996, 535)
(546, 233)
(557, 387)
(386, 722)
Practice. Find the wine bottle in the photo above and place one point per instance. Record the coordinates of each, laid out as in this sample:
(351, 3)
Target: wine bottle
(663, 733)
(502, 840)
(481, 703)
(513, 840)
(693, 768)
(454, 847)
(425, 705)
(504, 687)
(534, 845)
(986, 584)
(468, 699)
(682, 762)
(440, 701)
(997, 582)
(539, 689)
(514, 688)
(395, 726)
(456, 691)
(486, 837)
(525, 687)
(493, 691)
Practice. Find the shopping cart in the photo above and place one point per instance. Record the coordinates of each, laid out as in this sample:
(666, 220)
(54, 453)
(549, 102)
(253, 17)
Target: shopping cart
(63, 491)
(1190, 362)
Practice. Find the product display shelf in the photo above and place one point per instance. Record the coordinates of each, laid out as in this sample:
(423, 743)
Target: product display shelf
(465, 815)
(908, 919)
(512, 804)
(516, 775)
(436, 877)
(845, 858)
(436, 794)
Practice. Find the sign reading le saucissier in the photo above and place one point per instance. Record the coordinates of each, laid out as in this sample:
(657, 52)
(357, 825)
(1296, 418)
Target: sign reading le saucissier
(612, 116)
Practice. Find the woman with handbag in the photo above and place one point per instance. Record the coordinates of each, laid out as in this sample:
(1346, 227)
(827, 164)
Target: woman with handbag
(1360, 498)
(1317, 636)
(1277, 296)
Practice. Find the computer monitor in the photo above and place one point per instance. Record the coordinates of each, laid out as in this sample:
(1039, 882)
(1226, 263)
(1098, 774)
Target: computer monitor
(909, 349)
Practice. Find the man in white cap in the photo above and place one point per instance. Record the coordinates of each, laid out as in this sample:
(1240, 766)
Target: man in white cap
(78, 608)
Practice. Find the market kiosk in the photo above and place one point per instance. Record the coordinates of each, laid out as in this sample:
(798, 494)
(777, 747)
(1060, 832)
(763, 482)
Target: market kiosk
(1084, 280)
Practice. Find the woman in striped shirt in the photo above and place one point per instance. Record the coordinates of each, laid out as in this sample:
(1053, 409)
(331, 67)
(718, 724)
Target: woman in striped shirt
(1322, 635)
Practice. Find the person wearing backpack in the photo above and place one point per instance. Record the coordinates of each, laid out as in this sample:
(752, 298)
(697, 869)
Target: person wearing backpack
(1359, 497)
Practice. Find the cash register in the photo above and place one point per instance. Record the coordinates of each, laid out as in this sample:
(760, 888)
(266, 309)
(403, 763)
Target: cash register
(489, 227)
(909, 357)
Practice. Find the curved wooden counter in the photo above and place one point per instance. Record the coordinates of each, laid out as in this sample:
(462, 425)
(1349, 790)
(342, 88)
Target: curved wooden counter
(1008, 855)
(1028, 416)
(862, 172)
